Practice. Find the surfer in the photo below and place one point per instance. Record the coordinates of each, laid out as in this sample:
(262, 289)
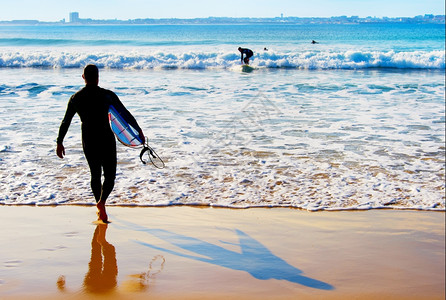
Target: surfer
(247, 52)
(91, 103)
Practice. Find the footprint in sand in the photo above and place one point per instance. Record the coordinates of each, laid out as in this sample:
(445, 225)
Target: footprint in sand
(71, 234)
(12, 263)
(60, 247)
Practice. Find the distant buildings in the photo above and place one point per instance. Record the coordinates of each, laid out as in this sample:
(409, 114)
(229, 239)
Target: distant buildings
(74, 18)
(428, 18)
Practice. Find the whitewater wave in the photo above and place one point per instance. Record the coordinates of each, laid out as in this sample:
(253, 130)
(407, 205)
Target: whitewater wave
(311, 60)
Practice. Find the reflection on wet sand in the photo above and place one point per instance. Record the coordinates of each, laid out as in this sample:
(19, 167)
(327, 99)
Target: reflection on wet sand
(103, 268)
(101, 277)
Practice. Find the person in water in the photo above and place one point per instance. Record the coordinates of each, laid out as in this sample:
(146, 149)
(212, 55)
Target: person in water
(91, 103)
(247, 52)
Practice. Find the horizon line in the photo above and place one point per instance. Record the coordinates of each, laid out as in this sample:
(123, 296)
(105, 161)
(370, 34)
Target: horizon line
(235, 18)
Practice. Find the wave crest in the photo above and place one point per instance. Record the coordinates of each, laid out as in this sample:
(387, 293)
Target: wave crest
(311, 60)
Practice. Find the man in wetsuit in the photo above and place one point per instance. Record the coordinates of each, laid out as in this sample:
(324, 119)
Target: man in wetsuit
(91, 103)
(247, 52)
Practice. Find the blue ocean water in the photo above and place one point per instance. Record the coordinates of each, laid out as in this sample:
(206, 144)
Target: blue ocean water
(392, 36)
(210, 46)
(353, 122)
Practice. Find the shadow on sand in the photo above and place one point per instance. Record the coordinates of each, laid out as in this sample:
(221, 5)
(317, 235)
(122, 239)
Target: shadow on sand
(253, 258)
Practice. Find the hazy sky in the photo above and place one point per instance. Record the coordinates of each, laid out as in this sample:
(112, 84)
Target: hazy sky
(55, 10)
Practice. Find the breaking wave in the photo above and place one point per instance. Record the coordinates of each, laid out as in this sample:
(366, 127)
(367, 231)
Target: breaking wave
(310, 60)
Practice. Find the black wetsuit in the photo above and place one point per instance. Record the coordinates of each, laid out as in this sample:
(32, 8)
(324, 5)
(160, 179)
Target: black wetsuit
(98, 141)
(248, 53)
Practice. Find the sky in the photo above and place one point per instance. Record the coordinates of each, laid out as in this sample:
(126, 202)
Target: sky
(55, 10)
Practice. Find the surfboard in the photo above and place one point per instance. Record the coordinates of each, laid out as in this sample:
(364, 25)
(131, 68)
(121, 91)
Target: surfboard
(123, 131)
(247, 68)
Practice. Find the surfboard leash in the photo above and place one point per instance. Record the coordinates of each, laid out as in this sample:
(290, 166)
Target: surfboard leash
(154, 158)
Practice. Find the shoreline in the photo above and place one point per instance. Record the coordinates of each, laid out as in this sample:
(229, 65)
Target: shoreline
(183, 252)
(217, 206)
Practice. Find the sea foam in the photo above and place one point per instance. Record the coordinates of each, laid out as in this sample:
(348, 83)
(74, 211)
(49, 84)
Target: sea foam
(313, 140)
(155, 59)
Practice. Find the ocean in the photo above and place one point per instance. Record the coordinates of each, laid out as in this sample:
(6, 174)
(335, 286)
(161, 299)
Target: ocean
(356, 121)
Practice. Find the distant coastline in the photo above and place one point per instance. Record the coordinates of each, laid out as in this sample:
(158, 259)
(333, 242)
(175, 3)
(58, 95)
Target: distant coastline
(421, 19)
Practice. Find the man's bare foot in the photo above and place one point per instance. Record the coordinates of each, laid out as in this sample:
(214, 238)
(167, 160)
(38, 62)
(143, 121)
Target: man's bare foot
(102, 214)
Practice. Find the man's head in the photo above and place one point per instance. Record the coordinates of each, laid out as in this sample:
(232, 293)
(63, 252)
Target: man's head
(91, 74)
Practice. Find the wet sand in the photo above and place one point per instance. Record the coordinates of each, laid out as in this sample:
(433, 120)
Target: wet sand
(210, 253)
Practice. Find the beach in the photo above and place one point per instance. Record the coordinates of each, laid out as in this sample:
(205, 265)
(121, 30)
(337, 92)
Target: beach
(318, 174)
(218, 253)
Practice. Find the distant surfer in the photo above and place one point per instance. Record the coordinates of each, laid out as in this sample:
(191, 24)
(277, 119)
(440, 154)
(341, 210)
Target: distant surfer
(314, 42)
(91, 103)
(247, 52)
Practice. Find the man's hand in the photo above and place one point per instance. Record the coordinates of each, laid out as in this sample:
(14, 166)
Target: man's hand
(60, 150)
